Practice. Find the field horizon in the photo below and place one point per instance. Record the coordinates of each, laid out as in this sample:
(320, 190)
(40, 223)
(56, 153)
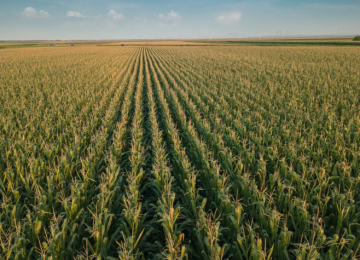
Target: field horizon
(289, 41)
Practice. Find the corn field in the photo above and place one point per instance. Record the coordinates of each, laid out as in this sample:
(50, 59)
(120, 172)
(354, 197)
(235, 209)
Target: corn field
(168, 152)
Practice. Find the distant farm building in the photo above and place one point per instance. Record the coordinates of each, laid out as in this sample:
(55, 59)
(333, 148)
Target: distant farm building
(53, 45)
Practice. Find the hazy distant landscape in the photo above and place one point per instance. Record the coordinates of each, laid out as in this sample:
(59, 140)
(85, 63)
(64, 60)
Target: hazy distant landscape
(321, 41)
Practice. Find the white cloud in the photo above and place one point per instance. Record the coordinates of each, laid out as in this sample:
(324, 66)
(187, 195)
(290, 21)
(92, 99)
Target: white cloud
(171, 16)
(114, 15)
(31, 12)
(43, 14)
(75, 14)
(230, 18)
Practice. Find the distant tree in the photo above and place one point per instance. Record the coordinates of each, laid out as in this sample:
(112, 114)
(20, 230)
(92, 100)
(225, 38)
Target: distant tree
(357, 38)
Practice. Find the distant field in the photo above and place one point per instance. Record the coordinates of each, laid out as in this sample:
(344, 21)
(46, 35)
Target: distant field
(345, 41)
(17, 45)
(7, 45)
(26, 44)
(177, 152)
(342, 41)
(171, 43)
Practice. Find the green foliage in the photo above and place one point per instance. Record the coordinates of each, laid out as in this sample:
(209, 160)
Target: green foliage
(180, 153)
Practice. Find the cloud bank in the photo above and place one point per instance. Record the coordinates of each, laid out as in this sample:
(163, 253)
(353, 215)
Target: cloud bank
(75, 14)
(31, 12)
(230, 18)
(115, 16)
(174, 16)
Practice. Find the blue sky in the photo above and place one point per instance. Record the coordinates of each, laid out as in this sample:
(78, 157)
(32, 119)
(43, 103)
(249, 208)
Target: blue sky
(160, 19)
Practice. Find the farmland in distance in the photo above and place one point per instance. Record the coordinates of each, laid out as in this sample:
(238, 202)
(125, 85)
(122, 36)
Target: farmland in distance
(180, 152)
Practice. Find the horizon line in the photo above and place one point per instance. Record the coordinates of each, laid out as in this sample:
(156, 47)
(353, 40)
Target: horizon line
(204, 38)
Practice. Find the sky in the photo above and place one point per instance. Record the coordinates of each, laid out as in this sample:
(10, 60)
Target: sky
(175, 19)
